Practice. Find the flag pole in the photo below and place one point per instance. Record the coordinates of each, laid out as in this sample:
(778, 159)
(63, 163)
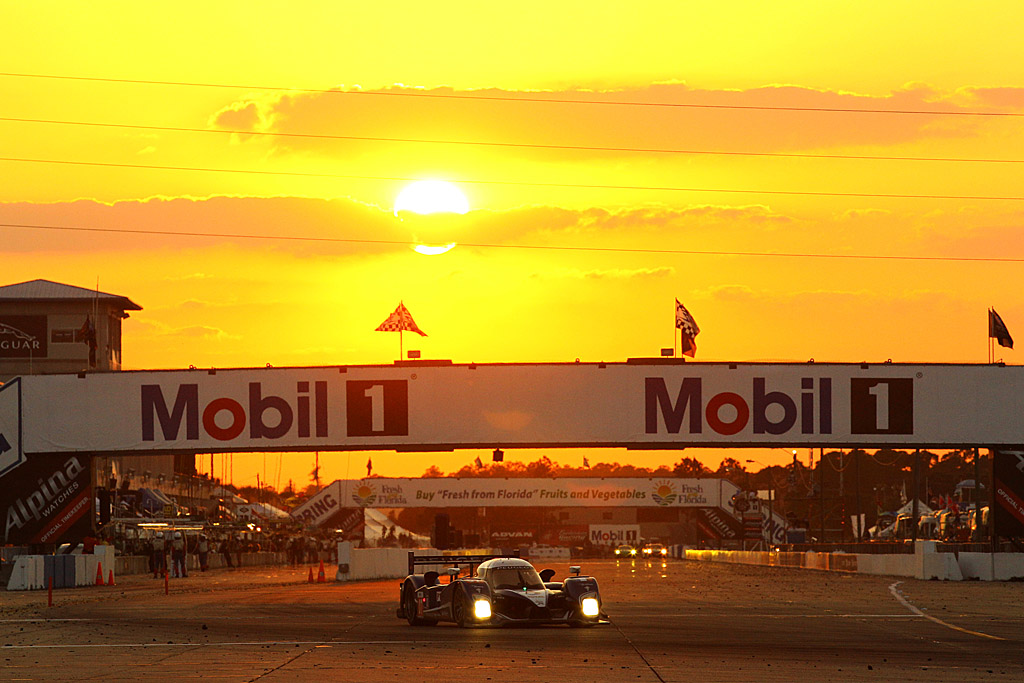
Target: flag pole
(989, 321)
(675, 327)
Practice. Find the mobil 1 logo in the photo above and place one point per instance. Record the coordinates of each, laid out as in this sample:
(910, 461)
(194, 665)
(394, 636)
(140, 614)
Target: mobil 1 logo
(377, 407)
(881, 406)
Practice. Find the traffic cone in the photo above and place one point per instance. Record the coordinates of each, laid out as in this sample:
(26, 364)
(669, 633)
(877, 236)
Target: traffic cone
(310, 580)
(99, 573)
(320, 578)
(110, 578)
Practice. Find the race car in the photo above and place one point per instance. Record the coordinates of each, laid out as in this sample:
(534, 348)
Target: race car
(625, 551)
(654, 550)
(502, 591)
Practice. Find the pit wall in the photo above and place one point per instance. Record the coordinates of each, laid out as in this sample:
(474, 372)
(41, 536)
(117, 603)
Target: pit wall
(32, 572)
(925, 563)
(355, 564)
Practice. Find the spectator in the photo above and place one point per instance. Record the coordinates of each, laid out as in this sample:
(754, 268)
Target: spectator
(204, 552)
(225, 550)
(178, 556)
(159, 556)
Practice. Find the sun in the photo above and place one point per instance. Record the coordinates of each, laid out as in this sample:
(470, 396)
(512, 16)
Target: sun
(431, 196)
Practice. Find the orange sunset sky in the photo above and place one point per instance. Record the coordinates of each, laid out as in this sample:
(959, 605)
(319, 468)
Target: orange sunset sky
(837, 181)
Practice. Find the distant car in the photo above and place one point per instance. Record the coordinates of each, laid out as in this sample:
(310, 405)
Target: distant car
(503, 591)
(625, 551)
(654, 550)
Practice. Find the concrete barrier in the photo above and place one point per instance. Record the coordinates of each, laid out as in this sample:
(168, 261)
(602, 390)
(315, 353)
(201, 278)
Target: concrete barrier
(31, 572)
(548, 553)
(925, 563)
(355, 564)
(992, 566)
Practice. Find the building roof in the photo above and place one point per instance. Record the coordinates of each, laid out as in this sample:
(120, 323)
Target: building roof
(45, 290)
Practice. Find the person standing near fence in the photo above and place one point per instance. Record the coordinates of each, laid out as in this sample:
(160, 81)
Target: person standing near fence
(204, 552)
(159, 556)
(178, 556)
(225, 551)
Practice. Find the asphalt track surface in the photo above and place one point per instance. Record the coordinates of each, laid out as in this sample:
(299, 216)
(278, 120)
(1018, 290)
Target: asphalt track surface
(672, 621)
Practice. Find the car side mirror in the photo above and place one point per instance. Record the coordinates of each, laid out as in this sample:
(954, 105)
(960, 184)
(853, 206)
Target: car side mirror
(574, 570)
(546, 575)
(452, 572)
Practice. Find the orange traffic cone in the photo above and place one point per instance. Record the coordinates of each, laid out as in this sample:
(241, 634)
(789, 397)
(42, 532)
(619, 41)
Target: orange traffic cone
(99, 573)
(110, 578)
(320, 578)
(310, 580)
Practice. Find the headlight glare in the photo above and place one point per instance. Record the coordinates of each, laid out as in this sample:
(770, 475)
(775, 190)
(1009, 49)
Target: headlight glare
(664, 551)
(482, 609)
(589, 607)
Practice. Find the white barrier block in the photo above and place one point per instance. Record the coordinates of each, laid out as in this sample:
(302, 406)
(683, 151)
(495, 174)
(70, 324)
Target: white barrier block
(23, 573)
(344, 572)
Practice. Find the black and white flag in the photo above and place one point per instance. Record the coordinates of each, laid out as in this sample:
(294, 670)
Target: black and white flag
(688, 330)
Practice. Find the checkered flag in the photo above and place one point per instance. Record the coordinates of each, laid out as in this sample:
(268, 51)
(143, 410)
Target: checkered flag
(400, 320)
(688, 330)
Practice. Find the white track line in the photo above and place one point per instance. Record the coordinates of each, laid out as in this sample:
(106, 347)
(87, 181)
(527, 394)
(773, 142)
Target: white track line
(903, 601)
(73, 646)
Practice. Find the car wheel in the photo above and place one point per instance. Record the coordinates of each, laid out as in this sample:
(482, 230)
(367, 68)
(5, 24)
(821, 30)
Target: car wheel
(409, 607)
(459, 614)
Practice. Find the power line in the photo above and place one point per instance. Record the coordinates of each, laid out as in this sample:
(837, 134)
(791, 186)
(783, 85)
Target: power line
(496, 98)
(515, 183)
(537, 247)
(515, 145)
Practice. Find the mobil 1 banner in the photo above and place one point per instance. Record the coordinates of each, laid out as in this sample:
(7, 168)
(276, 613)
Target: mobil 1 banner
(47, 500)
(1008, 470)
(635, 405)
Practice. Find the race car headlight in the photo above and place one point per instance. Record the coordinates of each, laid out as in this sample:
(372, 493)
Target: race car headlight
(633, 551)
(589, 607)
(664, 551)
(616, 551)
(482, 609)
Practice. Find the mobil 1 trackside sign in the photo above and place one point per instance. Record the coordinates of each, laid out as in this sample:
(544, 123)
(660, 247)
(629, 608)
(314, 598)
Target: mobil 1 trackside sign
(443, 406)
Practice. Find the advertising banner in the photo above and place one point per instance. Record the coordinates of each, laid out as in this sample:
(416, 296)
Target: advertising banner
(510, 538)
(1008, 468)
(11, 454)
(48, 499)
(566, 535)
(451, 492)
(431, 406)
(615, 534)
(23, 336)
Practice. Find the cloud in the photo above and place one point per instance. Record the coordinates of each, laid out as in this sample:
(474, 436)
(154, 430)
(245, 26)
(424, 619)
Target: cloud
(199, 332)
(774, 118)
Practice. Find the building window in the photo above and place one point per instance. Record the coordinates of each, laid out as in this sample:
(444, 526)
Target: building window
(63, 336)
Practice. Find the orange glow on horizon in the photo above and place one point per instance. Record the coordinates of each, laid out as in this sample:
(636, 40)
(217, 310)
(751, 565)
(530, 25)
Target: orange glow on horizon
(598, 165)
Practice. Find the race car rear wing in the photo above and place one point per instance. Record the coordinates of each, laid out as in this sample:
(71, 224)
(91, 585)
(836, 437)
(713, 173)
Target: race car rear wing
(453, 560)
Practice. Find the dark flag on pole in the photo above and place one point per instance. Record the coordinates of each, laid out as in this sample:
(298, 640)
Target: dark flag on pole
(997, 329)
(688, 330)
(400, 320)
(87, 335)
